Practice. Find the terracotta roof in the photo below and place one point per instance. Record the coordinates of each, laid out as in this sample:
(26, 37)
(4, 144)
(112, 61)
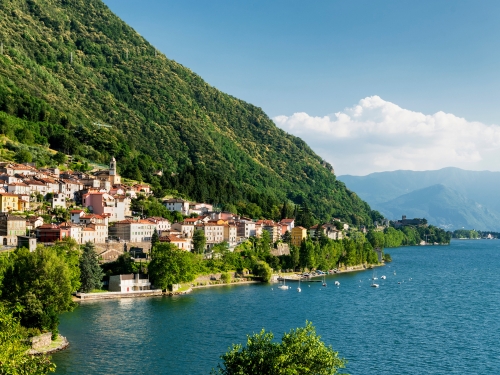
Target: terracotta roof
(8, 195)
(48, 226)
(173, 239)
(76, 211)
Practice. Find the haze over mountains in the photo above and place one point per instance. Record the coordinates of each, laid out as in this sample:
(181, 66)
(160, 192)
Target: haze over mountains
(451, 198)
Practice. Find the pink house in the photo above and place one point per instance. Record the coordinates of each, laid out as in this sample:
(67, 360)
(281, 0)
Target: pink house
(105, 204)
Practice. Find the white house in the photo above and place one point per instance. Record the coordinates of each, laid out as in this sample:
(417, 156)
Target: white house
(129, 283)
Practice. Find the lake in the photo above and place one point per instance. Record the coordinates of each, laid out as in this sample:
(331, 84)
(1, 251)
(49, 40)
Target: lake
(439, 314)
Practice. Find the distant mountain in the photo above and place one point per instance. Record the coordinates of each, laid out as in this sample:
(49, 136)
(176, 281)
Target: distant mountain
(471, 198)
(443, 207)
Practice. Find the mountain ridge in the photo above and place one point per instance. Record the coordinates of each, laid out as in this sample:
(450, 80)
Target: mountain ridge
(479, 187)
(70, 67)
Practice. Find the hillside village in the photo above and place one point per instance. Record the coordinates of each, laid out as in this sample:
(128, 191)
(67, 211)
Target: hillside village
(99, 207)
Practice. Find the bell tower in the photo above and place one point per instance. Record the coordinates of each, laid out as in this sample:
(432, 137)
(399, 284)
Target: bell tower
(112, 167)
(114, 178)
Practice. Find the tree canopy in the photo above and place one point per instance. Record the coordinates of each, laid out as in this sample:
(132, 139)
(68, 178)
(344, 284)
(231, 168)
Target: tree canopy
(170, 265)
(301, 351)
(38, 286)
(14, 357)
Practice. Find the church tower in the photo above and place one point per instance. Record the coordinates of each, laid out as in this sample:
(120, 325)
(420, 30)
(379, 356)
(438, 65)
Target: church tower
(112, 167)
(114, 178)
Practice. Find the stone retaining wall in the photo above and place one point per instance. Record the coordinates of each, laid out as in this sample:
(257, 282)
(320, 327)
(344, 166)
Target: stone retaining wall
(114, 295)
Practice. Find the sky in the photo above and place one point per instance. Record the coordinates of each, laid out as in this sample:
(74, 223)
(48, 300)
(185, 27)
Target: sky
(370, 85)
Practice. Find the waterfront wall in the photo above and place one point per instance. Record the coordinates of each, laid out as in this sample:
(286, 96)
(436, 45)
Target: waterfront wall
(114, 295)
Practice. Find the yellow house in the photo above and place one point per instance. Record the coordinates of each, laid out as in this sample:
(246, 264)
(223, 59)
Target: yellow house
(9, 202)
(298, 235)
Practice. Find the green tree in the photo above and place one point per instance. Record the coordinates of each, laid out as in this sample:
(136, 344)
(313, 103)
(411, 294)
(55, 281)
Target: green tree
(301, 351)
(199, 241)
(376, 239)
(90, 271)
(23, 156)
(60, 158)
(262, 270)
(39, 285)
(155, 238)
(170, 265)
(14, 357)
(69, 250)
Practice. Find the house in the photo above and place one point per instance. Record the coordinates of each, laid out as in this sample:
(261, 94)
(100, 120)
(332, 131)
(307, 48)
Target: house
(142, 188)
(246, 229)
(8, 202)
(10, 227)
(290, 224)
(230, 234)
(34, 222)
(329, 230)
(58, 200)
(162, 224)
(129, 283)
(69, 188)
(94, 233)
(271, 227)
(181, 243)
(27, 242)
(186, 228)
(200, 208)
(298, 235)
(51, 233)
(36, 187)
(176, 204)
(74, 231)
(51, 184)
(18, 188)
(105, 204)
(76, 215)
(223, 215)
(214, 233)
(12, 169)
(133, 230)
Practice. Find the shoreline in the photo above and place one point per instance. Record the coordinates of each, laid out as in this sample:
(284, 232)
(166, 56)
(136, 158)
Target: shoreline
(61, 341)
(294, 276)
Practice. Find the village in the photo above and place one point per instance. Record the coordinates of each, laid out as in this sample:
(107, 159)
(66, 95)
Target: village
(99, 207)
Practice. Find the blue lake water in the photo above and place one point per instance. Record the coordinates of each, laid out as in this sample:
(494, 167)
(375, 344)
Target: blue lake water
(445, 320)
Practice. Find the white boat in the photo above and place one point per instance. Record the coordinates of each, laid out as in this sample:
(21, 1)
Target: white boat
(324, 280)
(283, 286)
(383, 277)
(337, 283)
(298, 289)
(374, 277)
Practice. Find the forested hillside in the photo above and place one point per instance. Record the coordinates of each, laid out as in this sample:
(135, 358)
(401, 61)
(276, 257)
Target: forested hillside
(75, 78)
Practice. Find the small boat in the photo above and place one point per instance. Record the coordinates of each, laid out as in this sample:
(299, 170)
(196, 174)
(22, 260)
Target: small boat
(383, 277)
(324, 281)
(374, 277)
(283, 286)
(337, 283)
(298, 289)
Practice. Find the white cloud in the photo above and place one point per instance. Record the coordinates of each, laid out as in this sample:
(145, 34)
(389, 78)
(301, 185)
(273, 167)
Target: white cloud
(376, 135)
